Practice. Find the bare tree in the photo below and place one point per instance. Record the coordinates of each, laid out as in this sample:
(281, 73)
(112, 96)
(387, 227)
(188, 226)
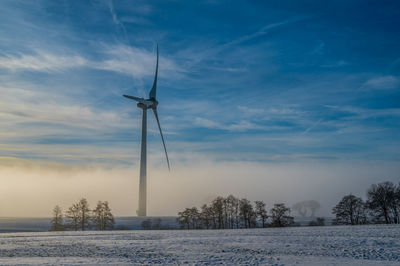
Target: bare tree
(381, 200)
(83, 214)
(397, 204)
(230, 211)
(206, 216)
(218, 210)
(247, 213)
(189, 218)
(102, 216)
(350, 210)
(184, 218)
(195, 218)
(98, 216)
(261, 212)
(222, 213)
(236, 210)
(280, 215)
(109, 221)
(73, 216)
(57, 223)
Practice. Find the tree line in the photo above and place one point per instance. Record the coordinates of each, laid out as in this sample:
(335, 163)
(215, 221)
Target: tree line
(80, 217)
(234, 213)
(381, 206)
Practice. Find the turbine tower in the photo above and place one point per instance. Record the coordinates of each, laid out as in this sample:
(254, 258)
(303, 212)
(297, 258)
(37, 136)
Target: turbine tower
(144, 104)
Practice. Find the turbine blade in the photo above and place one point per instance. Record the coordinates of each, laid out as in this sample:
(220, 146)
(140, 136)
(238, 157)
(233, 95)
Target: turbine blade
(162, 137)
(154, 88)
(134, 98)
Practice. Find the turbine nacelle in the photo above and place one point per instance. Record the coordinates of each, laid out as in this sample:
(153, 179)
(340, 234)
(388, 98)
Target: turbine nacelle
(142, 102)
(147, 104)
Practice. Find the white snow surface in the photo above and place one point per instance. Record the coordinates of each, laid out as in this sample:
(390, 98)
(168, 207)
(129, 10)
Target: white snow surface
(329, 245)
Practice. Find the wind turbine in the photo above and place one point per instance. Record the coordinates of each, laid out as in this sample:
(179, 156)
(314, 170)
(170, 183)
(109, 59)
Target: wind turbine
(144, 104)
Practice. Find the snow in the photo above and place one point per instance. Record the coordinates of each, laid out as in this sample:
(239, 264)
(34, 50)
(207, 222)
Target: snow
(330, 245)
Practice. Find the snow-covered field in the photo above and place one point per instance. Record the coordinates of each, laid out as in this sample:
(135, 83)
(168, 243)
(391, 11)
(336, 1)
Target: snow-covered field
(330, 245)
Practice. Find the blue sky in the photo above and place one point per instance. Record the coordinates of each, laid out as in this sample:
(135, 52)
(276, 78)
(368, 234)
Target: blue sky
(240, 81)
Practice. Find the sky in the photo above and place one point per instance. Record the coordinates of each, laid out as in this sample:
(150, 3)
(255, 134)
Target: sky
(278, 101)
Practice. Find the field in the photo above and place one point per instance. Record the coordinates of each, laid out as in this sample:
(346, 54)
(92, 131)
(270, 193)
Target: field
(330, 245)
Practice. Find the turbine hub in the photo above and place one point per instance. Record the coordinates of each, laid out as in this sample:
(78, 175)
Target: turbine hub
(143, 106)
(147, 104)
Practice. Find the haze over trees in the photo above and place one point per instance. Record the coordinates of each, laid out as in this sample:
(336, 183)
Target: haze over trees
(382, 206)
(303, 208)
(79, 216)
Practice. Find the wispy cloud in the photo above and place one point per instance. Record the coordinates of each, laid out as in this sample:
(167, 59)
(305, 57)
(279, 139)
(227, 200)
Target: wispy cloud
(41, 61)
(207, 52)
(240, 126)
(135, 61)
(123, 59)
(276, 111)
(363, 113)
(312, 126)
(333, 64)
(54, 127)
(382, 83)
(70, 115)
(113, 13)
(264, 30)
(116, 20)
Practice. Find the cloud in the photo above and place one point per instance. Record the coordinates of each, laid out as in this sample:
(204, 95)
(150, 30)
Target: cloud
(116, 20)
(41, 61)
(288, 111)
(382, 83)
(264, 30)
(76, 116)
(312, 126)
(364, 113)
(333, 64)
(122, 59)
(60, 129)
(135, 62)
(204, 51)
(241, 126)
(113, 13)
(27, 105)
